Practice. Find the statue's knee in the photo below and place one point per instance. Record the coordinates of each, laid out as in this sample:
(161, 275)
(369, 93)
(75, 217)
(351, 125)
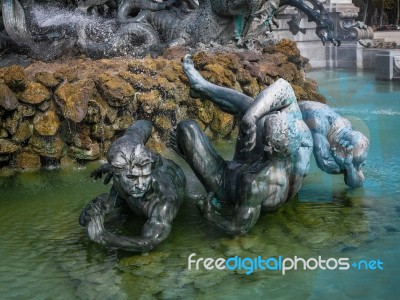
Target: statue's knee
(188, 128)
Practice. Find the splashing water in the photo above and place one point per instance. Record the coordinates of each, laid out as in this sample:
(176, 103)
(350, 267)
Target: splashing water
(55, 16)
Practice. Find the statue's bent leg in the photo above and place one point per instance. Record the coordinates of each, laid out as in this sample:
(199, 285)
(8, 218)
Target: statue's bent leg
(205, 162)
(229, 100)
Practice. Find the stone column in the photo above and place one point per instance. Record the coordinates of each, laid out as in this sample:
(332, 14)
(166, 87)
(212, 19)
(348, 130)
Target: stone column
(349, 55)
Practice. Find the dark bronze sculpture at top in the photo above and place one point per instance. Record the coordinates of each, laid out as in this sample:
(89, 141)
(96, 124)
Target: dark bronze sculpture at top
(101, 28)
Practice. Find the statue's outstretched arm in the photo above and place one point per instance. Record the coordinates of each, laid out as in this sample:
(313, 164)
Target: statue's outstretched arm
(99, 206)
(277, 96)
(323, 155)
(226, 99)
(154, 231)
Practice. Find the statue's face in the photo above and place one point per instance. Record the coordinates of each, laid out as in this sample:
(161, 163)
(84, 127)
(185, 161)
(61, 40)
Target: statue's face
(132, 173)
(359, 157)
(360, 149)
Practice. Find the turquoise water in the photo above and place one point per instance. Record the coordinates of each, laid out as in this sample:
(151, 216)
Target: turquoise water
(45, 254)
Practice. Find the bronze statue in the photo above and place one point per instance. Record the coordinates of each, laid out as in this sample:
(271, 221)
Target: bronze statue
(144, 183)
(137, 26)
(271, 156)
(338, 149)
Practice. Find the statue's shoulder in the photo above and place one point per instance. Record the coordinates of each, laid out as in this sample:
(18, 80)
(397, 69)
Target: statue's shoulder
(169, 172)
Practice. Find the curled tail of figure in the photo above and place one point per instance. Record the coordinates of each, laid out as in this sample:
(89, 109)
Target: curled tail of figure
(15, 22)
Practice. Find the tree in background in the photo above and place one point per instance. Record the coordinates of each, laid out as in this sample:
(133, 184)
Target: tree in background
(378, 12)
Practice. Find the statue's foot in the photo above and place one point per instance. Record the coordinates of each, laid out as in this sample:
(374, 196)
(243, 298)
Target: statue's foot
(197, 82)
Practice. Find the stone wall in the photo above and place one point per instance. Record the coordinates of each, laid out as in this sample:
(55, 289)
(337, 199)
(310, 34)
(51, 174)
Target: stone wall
(72, 110)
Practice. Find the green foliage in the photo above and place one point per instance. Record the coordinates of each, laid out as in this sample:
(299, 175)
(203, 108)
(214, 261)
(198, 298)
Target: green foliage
(387, 4)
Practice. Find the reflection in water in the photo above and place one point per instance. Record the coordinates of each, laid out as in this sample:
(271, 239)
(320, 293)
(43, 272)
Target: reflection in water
(46, 254)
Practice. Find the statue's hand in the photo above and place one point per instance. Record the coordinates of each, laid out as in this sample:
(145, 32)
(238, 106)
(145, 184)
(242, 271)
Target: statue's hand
(95, 208)
(248, 133)
(95, 228)
(103, 169)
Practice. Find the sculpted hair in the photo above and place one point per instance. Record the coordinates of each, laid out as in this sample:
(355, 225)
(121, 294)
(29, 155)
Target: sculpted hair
(282, 138)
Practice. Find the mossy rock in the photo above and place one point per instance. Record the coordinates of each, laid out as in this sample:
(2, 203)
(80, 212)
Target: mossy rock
(92, 153)
(12, 121)
(163, 123)
(16, 78)
(222, 124)
(102, 132)
(26, 110)
(26, 160)
(219, 75)
(114, 89)
(24, 132)
(149, 101)
(47, 146)
(46, 123)
(203, 110)
(251, 89)
(73, 99)
(8, 146)
(47, 79)
(35, 93)
(288, 48)
(8, 100)
(140, 82)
